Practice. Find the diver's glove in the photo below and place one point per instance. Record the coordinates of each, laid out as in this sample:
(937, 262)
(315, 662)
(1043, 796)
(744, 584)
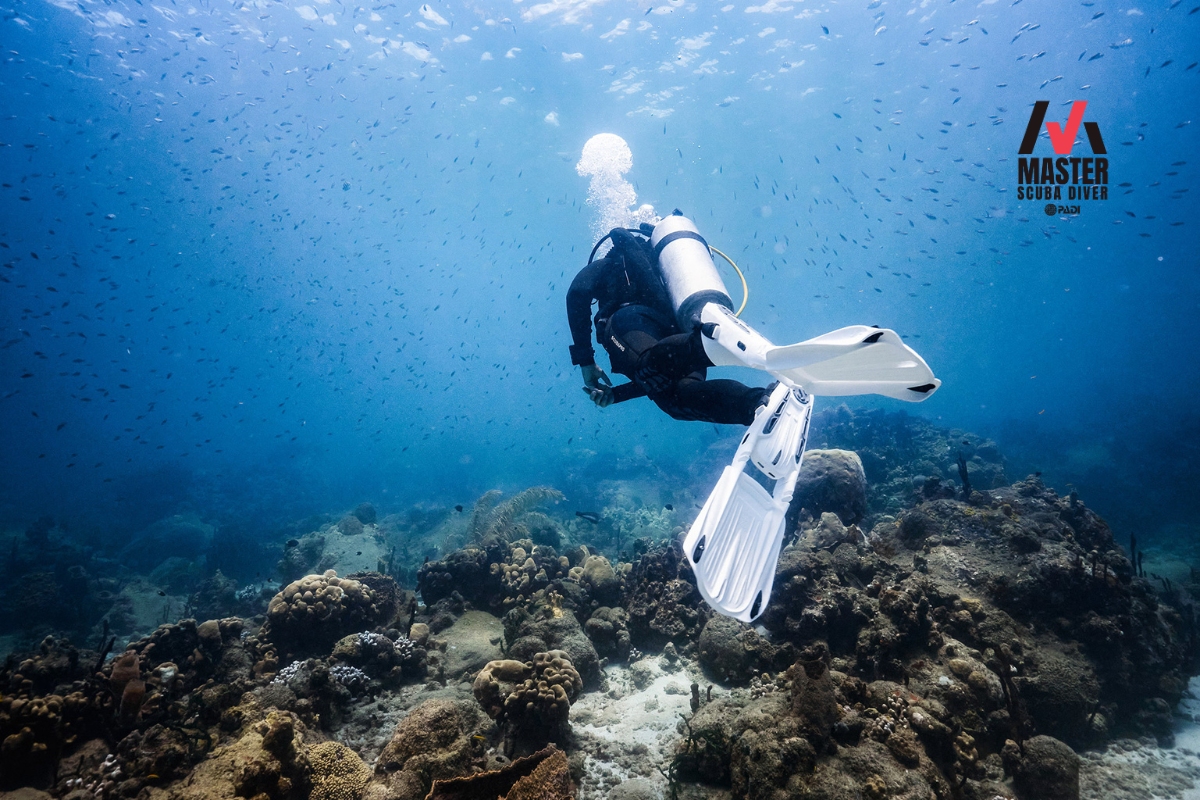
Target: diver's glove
(597, 385)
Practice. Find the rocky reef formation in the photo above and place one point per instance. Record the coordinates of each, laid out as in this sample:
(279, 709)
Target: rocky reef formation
(960, 650)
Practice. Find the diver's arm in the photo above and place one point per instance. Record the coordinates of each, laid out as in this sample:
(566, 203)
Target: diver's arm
(579, 313)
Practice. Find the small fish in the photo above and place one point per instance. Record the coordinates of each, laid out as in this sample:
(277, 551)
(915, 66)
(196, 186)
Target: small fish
(825, 29)
(359, 553)
(161, 593)
(292, 543)
(590, 516)
(458, 508)
(669, 507)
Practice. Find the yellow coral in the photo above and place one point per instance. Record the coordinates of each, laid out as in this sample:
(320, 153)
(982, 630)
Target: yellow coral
(337, 772)
(550, 780)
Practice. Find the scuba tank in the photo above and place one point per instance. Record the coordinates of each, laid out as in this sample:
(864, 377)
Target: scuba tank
(687, 269)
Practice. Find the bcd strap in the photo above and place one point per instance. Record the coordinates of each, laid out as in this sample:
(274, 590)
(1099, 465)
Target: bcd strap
(670, 237)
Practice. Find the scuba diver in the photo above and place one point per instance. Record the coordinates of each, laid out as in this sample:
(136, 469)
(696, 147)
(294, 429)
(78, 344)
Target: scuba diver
(636, 325)
(665, 318)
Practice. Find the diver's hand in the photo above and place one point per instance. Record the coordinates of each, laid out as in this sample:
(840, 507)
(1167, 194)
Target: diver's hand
(597, 385)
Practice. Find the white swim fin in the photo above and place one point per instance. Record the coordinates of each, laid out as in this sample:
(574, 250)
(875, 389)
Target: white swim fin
(849, 361)
(734, 543)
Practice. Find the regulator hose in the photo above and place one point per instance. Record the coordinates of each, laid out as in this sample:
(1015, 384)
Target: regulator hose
(745, 289)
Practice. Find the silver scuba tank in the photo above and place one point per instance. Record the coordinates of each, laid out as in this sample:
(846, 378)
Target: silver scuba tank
(687, 269)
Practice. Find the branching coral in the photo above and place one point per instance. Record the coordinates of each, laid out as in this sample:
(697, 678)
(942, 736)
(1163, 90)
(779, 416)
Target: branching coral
(524, 572)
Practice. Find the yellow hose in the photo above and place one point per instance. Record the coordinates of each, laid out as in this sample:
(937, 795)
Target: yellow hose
(745, 289)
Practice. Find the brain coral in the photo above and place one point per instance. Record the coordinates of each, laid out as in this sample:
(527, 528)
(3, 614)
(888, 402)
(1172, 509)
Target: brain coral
(534, 697)
(314, 612)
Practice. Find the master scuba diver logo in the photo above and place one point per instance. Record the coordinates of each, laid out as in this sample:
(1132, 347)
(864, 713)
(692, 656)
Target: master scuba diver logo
(1044, 178)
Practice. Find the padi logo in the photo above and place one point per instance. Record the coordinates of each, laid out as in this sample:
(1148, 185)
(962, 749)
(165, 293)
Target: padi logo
(1044, 178)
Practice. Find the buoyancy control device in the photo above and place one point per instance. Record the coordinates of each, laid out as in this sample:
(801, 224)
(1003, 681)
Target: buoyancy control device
(638, 279)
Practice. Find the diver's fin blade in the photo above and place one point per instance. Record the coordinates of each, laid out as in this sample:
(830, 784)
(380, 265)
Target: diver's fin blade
(734, 544)
(824, 347)
(860, 360)
(853, 360)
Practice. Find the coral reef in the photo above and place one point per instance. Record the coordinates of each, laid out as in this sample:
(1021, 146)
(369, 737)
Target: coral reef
(900, 454)
(532, 698)
(832, 481)
(933, 632)
(734, 652)
(543, 775)
(1043, 767)
(301, 556)
(663, 602)
(439, 739)
(524, 572)
(467, 571)
(337, 772)
(491, 521)
(549, 627)
(608, 628)
(364, 513)
(314, 612)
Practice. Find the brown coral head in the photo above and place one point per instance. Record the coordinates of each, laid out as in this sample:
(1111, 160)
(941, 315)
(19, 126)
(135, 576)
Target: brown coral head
(813, 669)
(495, 682)
(132, 698)
(545, 775)
(125, 669)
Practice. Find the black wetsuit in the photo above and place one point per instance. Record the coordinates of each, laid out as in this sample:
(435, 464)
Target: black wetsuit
(636, 325)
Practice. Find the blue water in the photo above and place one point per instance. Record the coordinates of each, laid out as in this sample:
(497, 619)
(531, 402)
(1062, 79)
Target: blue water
(262, 260)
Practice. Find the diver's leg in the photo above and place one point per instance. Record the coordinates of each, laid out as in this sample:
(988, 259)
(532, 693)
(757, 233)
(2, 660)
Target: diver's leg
(670, 360)
(631, 333)
(725, 401)
(626, 347)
